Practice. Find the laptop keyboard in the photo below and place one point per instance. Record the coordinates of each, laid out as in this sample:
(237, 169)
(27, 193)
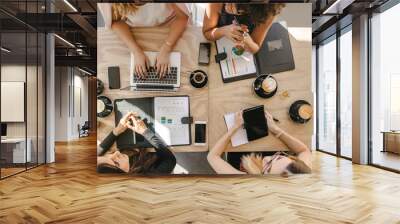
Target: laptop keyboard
(152, 77)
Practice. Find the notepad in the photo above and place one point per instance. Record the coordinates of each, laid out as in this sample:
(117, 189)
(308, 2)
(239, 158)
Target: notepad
(240, 136)
(235, 67)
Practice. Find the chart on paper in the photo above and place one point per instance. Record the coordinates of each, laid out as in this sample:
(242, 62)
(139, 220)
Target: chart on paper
(168, 114)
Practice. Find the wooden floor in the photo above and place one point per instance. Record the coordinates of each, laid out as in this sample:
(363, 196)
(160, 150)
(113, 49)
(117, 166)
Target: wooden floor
(71, 191)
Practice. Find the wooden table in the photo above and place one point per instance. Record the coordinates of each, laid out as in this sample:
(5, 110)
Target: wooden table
(232, 97)
(112, 52)
(217, 98)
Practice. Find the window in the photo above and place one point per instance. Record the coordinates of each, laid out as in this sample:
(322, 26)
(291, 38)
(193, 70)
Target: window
(385, 89)
(346, 92)
(327, 96)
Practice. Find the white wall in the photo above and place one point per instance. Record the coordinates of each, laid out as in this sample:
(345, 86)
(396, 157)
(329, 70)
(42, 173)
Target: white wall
(70, 83)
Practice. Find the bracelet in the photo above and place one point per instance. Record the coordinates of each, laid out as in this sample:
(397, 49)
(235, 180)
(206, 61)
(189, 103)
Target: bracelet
(213, 33)
(279, 134)
(168, 44)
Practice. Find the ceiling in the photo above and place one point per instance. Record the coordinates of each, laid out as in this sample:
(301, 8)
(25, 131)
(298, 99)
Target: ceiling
(76, 20)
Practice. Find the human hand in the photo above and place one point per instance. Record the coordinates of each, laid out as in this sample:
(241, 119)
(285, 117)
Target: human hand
(123, 124)
(238, 121)
(142, 63)
(162, 61)
(233, 32)
(272, 126)
(137, 125)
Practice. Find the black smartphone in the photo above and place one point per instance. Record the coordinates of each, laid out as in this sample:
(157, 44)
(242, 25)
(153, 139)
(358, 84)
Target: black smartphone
(200, 133)
(114, 77)
(204, 53)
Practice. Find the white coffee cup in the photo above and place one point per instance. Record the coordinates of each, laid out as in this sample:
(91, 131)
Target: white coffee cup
(268, 84)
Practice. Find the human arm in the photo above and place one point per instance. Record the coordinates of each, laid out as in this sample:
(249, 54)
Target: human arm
(294, 145)
(219, 165)
(106, 144)
(178, 26)
(210, 30)
(123, 31)
(166, 160)
(254, 41)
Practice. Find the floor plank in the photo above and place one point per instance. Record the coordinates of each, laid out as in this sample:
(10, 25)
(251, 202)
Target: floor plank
(70, 191)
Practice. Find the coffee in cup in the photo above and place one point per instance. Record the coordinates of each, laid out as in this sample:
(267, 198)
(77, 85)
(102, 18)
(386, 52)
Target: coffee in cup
(265, 86)
(305, 111)
(268, 84)
(198, 79)
(301, 111)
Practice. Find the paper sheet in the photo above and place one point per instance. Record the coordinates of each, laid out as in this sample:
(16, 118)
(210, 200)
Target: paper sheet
(240, 136)
(235, 65)
(168, 112)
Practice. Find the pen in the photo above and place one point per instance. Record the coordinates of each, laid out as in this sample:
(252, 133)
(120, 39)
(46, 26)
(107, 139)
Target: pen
(227, 67)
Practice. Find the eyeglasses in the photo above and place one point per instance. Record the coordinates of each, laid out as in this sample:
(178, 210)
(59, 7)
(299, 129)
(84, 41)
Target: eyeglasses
(268, 165)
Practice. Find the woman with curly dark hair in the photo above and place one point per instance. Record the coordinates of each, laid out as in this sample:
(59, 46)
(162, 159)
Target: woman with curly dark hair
(244, 24)
(136, 161)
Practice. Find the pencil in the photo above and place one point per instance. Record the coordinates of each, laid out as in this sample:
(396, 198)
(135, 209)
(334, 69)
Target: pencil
(227, 66)
(234, 67)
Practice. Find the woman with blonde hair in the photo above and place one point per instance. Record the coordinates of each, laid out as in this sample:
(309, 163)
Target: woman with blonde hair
(298, 160)
(120, 17)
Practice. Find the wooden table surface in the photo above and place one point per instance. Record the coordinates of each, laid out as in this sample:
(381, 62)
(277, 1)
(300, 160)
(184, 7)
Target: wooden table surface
(217, 98)
(112, 52)
(231, 97)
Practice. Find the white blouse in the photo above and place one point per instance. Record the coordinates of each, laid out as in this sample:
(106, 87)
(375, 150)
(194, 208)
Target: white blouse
(147, 15)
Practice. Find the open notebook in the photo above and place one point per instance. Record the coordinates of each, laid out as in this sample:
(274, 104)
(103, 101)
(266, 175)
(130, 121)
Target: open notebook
(163, 115)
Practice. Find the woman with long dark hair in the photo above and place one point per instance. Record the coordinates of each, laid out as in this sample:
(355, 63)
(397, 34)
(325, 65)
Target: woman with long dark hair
(244, 24)
(136, 160)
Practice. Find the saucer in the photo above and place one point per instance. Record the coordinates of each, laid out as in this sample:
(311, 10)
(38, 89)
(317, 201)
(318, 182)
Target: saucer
(259, 90)
(106, 105)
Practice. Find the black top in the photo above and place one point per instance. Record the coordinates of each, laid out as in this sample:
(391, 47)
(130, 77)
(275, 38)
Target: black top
(226, 18)
(165, 162)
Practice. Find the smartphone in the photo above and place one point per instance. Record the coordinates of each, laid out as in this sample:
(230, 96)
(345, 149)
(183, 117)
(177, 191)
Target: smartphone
(204, 53)
(200, 133)
(114, 77)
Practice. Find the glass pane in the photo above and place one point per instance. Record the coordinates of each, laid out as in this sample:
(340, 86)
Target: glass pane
(346, 94)
(13, 85)
(31, 98)
(327, 96)
(41, 99)
(385, 90)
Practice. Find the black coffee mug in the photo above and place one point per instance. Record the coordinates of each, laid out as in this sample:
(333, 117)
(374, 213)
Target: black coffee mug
(198, 79)
(295, 112)
(105, 105)
(258, 89)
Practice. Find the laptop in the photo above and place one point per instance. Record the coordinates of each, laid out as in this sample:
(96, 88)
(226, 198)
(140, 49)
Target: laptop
(170, 82)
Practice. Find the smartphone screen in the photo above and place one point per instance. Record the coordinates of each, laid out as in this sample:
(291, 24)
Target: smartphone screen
(200, 133)
(204, 53)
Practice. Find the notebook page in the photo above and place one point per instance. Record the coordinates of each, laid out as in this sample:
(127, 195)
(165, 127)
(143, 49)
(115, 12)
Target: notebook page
(235, 65)
(168, 112)
(240, 136)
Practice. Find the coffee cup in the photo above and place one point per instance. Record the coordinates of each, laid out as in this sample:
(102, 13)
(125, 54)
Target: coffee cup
(198, 79)
(301, 111)
(265, 86)
(268, 84)
(104, 106)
